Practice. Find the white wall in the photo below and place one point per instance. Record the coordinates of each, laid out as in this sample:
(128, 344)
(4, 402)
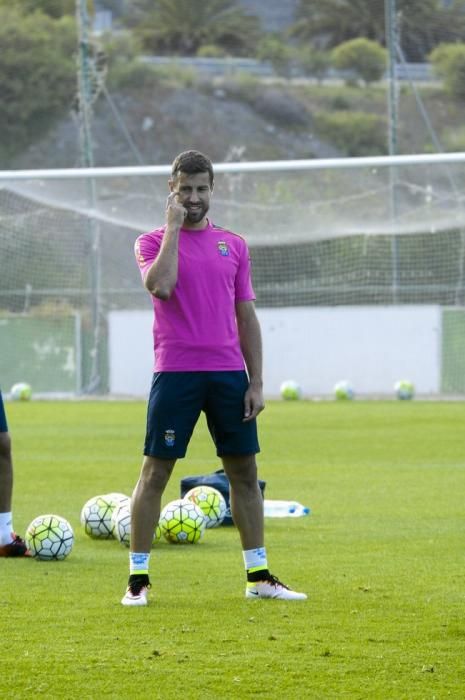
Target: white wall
(372, 347)
(130, 351)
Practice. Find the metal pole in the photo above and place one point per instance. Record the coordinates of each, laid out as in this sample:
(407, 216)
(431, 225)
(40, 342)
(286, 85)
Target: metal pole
(85, 70)
(391, 43)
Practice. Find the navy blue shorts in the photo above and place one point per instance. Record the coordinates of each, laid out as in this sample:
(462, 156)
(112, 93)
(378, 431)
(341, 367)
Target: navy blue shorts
(176, 401)
(3, 423)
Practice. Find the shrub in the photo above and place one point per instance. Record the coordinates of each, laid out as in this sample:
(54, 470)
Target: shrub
(133, 74)
(281, 109)
(339, 102)
(454, 139)
(366, 58)
(211, 51)
(137, 74)
(242, 85)
(448, 62)
(354, 133)
(120, 47)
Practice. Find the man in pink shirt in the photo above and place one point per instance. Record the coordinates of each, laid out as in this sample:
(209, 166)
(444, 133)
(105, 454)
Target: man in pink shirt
(208, 357)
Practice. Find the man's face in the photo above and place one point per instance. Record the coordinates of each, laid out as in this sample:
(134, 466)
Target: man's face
(194, 195)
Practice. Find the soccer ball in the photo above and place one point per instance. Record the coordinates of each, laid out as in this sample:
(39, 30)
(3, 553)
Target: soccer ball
(343, 391)
(404, 389)
(182, 522)
(49, 537)
(290, 390)
(211, 502)
(21, 392)
(116, 498)
(121, 523)
(96, 517)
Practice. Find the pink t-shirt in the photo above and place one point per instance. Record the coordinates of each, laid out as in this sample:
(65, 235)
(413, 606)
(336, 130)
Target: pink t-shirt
(195, 329)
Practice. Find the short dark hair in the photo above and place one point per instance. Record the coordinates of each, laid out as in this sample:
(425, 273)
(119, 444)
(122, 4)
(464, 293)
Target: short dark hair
(192, 162)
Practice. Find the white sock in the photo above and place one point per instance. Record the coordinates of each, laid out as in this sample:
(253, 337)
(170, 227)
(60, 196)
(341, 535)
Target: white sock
(255, 558)
(6, 528)
(139, 562)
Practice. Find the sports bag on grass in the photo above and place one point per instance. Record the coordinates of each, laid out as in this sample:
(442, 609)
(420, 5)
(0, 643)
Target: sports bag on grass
(218, 480)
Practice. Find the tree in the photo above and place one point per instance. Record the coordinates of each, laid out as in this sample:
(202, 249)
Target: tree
(37, 73)
(183, 26)
(423, 24)
(52, 8)
(365, 57)
(313, 62)
(336, 21)
(279, 54)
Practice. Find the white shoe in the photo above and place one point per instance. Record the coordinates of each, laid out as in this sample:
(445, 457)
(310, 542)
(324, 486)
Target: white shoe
(136, 594)
(272, 588)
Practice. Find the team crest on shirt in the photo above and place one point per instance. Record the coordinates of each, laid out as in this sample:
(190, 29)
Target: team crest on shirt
(170, 437)
(223, 248)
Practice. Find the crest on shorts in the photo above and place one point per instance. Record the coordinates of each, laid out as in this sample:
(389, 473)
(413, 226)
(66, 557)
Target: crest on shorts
(223, 248)
(170, 437)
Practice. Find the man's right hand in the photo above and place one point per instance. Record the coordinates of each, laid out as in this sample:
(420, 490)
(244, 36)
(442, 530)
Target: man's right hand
(175, 212)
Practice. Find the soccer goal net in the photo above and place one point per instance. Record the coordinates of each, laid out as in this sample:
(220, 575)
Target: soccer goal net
(344, 236)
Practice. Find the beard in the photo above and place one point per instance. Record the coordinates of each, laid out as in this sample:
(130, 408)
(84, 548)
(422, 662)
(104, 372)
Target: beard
(196, 214)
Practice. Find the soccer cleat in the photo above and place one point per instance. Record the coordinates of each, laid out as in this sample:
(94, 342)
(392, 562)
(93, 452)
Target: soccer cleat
(271, 587)
(16, 548)
(136, 593)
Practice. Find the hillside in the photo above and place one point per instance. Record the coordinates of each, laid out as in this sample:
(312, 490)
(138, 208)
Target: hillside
(241, 118)
(172, 118)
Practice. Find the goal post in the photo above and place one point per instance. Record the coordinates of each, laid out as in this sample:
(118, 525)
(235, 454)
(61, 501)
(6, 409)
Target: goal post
(323, 234)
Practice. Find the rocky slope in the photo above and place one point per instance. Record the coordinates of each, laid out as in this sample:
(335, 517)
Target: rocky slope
(150, 127)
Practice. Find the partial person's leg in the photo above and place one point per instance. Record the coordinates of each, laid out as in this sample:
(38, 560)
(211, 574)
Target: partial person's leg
(11, 545)
(6, 473)
(146, 501)
(247, 513)
(174, 405)
(145, 514)
(6, 488)
(246, 499)
(233, 437)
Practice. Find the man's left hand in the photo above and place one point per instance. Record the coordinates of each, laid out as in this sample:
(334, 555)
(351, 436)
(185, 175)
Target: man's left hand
(253, 403)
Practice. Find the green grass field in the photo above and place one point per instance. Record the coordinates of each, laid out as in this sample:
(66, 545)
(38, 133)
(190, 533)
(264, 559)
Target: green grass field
(382, 558)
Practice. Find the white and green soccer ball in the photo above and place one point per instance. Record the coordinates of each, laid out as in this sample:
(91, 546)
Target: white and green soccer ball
(96, 517)
(121, 523)
(404, 389)
(21, 392)
(49, 537)
(182, 522)
(117, 498)
(290, 390)
(344, 391)
(211, 502)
